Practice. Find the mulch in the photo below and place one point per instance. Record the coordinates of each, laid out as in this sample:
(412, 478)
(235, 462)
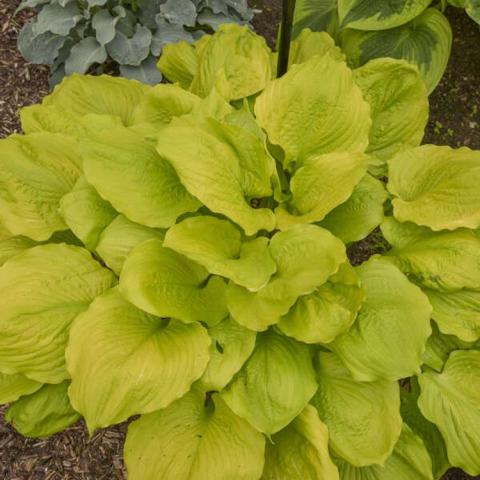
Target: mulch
(71, 455)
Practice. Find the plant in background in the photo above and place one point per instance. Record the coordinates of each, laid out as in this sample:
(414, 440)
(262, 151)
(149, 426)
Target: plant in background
(179, 252)
(71, 36)
(412, 30)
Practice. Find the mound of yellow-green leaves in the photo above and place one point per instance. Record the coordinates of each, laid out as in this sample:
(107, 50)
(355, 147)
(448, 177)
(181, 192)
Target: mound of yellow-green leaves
(178, 252)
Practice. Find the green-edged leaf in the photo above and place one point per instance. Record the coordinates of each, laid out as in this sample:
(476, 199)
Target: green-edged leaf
(127, 171)
(389, 336)
(120, 238)
(356, 218)
(329, 115)
(426, 430)
(436, 187)
(133, 363)
(300, 451)
(194, 441)
(83, 55)
(224, 166)
(217, 245)
(231, 346)
(12, 246)
(226, 57)
(179, 63)
(44, 412)
(323, 183)
(425, 42)
(12, 387)
(309, 44)
(326, 313)
(378, 15)
(409, 460)
(164, 283)
(43, 289)
(275, 384)
(36, 170)
(86, 213)
(318, 15)
(363, 418)
(399, 102)
(306, 256)
(104, 94)
(451, 401)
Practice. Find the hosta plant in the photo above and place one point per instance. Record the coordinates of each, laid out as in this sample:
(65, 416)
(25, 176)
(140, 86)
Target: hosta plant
(413, 30)
(73, 36)
(179, 252)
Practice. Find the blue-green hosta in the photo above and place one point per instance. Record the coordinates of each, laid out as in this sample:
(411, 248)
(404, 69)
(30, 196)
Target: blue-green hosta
(178, 252)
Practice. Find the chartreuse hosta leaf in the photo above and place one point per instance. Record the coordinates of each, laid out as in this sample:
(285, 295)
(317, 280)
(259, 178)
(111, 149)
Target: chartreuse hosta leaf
(194, 439)
(43, 290)
(356, 218)
(451, 401)
(275, 384)
(318, 15)
(224, 59)
(120, 237)
(306, 256)
(224, 166)
(328, 312)
(426, 430)
(179, 62)
(86, 213)
(167, 284)
(35, 172)
(378, 15)
(12, 387)
(11, 246)
(398, 99)
(132, 364)
(436, 187)
(329, 116)
(409, 460)
(43, 413)
(300, 451)
(231, 346)
(389, 336)
(321, 184)
(425, 42)
(217, 245)
(127, 171)
(363, 418)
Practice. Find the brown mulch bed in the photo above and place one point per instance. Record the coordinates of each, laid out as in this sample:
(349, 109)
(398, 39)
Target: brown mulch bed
(71, 455)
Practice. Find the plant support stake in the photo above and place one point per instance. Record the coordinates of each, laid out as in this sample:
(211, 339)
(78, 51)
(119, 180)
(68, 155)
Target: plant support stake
(285, 36)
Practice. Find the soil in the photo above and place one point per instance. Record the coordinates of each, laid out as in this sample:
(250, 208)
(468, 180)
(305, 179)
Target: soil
(71, 455)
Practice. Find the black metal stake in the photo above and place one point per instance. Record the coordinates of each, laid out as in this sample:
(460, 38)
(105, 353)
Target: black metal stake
(285, 36)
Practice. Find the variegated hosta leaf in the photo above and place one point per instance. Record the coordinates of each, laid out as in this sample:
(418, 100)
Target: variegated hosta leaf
(275, 384)
(120, 237)
(323, 183)
(356, 218)
(36, 170)
(43, 290)
(195, 440)
(300, 451)
(329, 116)
(388, 339)
(436, 187)
(166, 284)
(425, 42)
(224, 59)
(133, 363)
(363, 418)
(318, 15)
(43, 413)
(451, 401)
(179, 63)
(218, 246)
(127, 171)
(12, 387)
(399, 103)
(224, 166)
(409, 460)
(231, 346)
(326, 313)
(306, 256)
(378, 14)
